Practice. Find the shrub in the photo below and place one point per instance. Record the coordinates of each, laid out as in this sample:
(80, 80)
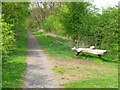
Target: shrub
(8, 39)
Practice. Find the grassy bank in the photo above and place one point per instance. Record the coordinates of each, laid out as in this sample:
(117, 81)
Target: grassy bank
(13, 70)
(92, 72)
(55, 46)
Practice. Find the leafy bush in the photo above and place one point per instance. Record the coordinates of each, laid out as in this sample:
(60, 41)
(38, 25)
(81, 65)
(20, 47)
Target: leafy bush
(8, 39)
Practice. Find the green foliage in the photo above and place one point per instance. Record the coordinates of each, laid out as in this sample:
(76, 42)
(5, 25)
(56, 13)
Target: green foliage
(14, 41)
(73, 19)
(13, 70)
(107, 36)
(13, 15)
(52, 24)
(48, 23)
(82, 24)
(8, 39)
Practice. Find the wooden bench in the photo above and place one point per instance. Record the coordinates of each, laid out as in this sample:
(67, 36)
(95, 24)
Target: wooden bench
(91, 50)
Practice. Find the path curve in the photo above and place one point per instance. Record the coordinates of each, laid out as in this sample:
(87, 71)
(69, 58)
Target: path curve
(39, 73)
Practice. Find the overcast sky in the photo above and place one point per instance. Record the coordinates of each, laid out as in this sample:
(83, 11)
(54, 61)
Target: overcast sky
(105, 3)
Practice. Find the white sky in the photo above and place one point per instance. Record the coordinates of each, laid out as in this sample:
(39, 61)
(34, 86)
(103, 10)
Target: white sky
(105, 3)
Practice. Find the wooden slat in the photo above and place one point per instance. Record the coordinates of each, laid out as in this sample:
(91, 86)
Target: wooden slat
(92, 51)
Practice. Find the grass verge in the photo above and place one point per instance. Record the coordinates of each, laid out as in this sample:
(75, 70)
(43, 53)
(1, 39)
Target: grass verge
(101, 82)
(13, 70)
(55, 46)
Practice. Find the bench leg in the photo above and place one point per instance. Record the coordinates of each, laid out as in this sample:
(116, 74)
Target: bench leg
(99, 56)
(77, 53)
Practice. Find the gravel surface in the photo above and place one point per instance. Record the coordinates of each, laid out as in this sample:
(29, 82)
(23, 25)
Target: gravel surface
(38, 73)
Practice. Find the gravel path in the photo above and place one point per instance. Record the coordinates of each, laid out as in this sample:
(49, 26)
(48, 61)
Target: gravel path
(39, 73)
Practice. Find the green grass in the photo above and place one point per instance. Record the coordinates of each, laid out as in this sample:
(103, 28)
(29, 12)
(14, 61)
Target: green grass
(101, 76)
(104, 82)
(59, 48)
(59, 70)
(14, 69)
(51, 45)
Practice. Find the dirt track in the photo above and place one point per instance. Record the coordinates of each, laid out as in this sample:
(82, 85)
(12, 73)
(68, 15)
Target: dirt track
(39, 73)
